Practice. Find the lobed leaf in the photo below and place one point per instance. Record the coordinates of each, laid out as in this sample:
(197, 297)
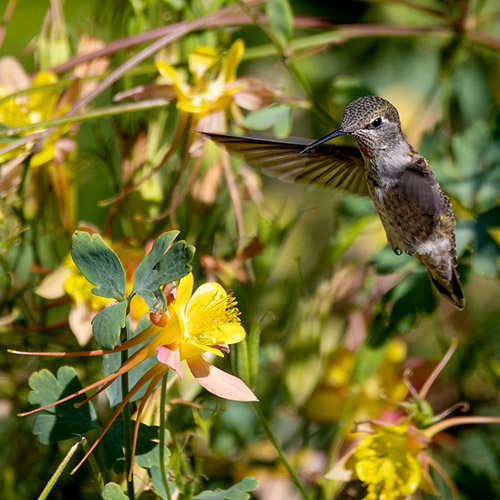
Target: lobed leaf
(99, 264)
(62, 421)
(239, 491)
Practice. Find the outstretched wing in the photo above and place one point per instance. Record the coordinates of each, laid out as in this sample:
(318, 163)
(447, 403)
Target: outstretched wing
(337, 167)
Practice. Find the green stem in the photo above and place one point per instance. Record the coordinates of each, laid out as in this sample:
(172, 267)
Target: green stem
(281, 453)
(163, 468)
(96, 113)
(60, 468)
(127, 422)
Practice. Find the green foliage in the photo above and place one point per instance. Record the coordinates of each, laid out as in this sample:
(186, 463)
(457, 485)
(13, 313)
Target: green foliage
(63, 421)
(108, 323)
(240, 491)
(277, 116)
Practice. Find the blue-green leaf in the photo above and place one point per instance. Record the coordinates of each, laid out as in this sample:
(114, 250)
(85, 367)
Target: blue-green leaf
(62, 421)
(159, 268)
(107, 325)
(147, 271)
(99, 264)
(239, 491)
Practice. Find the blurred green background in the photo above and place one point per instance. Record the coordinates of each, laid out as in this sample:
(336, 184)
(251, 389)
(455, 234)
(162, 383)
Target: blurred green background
(322, 278)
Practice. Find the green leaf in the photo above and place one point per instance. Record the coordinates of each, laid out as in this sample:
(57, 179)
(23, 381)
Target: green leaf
(280, 17)
(277, 116)
(107, 325)
(62, 421)
(239, 491)
(159, 268)
(366, 361)
(112, 491)
(99, 264)
(147, 271)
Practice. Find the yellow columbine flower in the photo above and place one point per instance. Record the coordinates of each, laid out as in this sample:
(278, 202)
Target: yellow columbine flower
(386, 462)
(26, 109)
(206, 321)
(206, 94)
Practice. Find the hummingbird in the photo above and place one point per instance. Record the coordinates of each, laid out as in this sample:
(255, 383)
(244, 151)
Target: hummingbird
(415, 213)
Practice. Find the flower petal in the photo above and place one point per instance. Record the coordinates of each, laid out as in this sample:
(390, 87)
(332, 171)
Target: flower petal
(228, 71)
(204, 295)
(218, 382)
(184, 291)
(169, 355)
(170, 73)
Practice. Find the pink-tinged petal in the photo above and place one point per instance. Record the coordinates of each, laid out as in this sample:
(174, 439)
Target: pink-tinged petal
(218, 382)
(169, 355)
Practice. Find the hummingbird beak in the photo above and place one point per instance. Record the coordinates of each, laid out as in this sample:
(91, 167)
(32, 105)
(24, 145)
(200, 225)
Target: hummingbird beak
(332, 135)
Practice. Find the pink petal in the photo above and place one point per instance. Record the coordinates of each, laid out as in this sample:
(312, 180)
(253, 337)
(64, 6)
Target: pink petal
(170, 357)
(218, 382)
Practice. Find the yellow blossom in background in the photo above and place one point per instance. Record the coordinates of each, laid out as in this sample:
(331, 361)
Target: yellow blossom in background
(29, 108)
(392, 462)
(386, 462)
(327, 401)
(212, 91)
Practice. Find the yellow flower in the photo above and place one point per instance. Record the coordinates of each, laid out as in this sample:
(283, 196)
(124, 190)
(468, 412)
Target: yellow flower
(391, 461)
(386, 462)
(212, 92)
(206, 321)
(328, 399)
(205, 95)
(30, 108)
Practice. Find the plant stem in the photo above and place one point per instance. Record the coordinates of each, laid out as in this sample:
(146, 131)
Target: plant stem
(163, 399)
(281, 453)
(127, 422)
(60, 468)
(96, 113)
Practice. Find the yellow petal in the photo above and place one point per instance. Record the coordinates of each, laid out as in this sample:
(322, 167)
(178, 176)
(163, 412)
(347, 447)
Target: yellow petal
(203, 296)
(233, 59)
(184, 291)
(201, 59)
(170, 73)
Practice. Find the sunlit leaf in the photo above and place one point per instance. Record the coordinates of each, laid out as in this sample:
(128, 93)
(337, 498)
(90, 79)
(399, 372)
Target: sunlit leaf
(112, 491)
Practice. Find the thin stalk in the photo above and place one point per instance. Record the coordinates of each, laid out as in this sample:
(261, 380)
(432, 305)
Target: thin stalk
(90, 115)
(281, 453)
(127, 422)
(94, 466)
(60, 468)
(163, 400)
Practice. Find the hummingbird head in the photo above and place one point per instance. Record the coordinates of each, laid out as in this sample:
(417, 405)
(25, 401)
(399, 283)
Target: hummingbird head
(372, 122)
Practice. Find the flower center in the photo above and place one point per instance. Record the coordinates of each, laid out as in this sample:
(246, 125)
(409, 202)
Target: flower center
(204, 325)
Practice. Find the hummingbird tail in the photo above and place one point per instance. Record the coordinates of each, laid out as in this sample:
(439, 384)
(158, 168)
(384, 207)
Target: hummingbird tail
(453, 290)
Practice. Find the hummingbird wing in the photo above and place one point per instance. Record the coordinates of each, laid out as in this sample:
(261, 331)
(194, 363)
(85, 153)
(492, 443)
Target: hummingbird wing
(337, 167)
(418, 184)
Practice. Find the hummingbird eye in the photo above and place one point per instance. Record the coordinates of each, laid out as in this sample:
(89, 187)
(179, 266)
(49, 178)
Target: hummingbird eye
(377, 122)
